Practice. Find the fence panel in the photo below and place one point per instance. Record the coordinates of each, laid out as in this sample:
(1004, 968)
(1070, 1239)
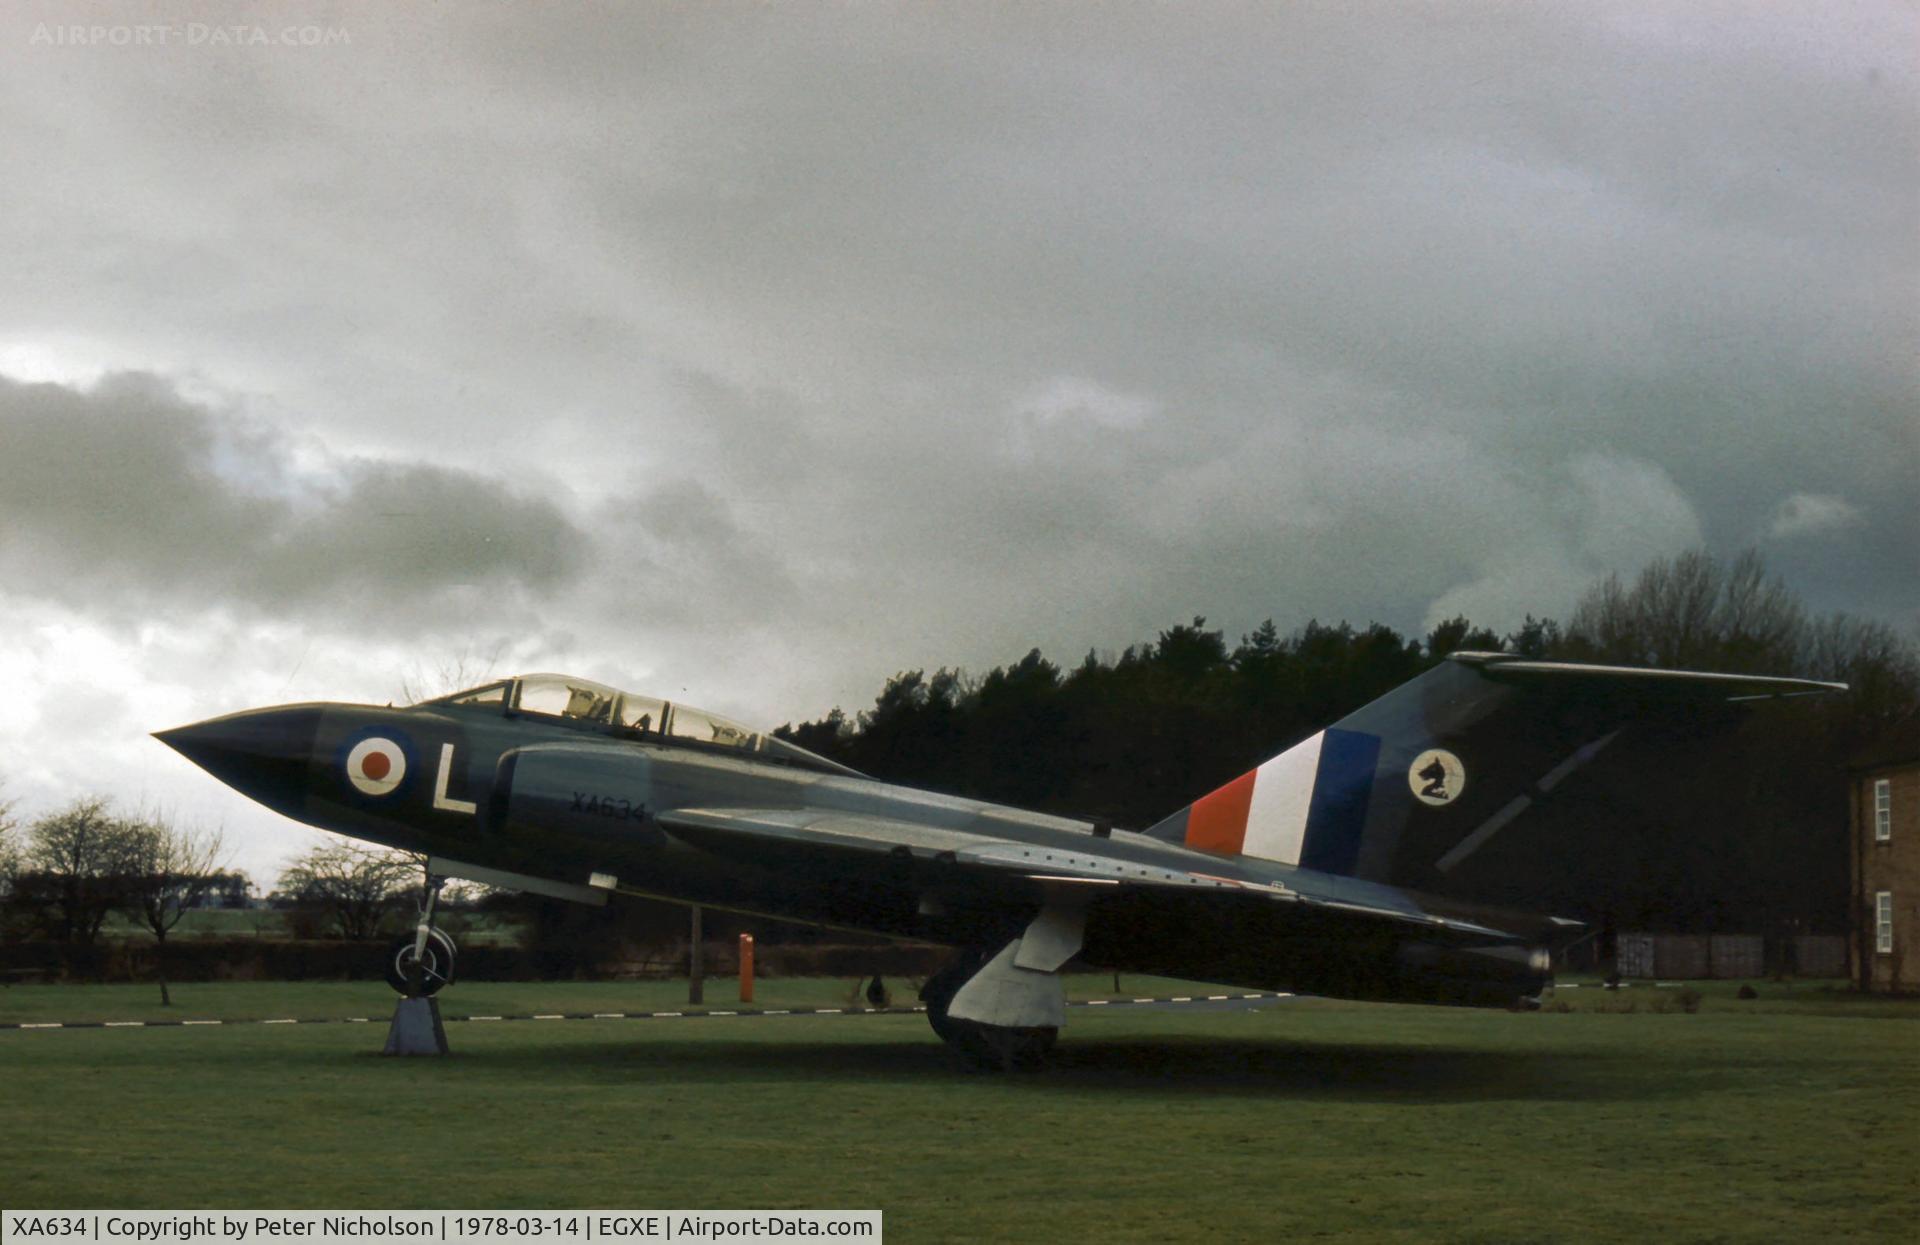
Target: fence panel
(1636, 955)
(1680, 957)
(1737, 955)
(1819, 955)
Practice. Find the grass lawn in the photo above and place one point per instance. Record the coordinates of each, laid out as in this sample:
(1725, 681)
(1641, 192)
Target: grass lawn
(1790, 997)
(1303, 1118)
(335, 1000)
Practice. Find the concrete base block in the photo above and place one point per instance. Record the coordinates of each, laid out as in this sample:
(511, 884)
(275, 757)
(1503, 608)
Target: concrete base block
(416, 1029)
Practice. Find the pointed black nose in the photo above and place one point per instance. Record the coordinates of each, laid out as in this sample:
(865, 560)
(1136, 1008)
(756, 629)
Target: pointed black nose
(263, 753)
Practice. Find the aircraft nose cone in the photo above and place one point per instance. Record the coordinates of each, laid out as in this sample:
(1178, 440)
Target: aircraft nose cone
(264, 753)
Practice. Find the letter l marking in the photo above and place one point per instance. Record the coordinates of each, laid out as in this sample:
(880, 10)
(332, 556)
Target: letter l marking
(440, 797)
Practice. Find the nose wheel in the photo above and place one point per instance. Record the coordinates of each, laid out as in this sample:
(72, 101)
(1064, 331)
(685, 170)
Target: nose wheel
(435, 960)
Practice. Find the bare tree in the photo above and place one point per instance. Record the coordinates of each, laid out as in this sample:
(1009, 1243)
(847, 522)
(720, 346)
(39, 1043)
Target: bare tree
(1881, 667)
(466, 669)
(1693, 611)
(9, 848)
(1759, 623)
(1696, 611)
(75, 867)
(353, 886)
(172, 868)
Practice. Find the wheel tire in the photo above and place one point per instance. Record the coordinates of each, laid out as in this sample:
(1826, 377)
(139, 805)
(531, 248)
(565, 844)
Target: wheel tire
(436, 963)
(988, 1048)
(938, 993)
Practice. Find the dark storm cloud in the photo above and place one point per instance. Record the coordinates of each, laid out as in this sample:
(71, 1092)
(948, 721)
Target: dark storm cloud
(928, 337)
(127, 492)
(1414, 309)
(1420, 200)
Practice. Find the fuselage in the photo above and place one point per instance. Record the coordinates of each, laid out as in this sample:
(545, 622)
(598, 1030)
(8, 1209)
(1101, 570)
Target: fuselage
(577, 799)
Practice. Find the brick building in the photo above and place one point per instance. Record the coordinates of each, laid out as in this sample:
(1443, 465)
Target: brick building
(1885, 799)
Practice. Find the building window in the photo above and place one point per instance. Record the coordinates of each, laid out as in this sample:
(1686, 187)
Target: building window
(1883, 922)
(1882, 810)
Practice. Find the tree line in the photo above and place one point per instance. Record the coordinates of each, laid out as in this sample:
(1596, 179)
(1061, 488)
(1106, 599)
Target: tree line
(1721, 831)
(82, 863)
(65, 874)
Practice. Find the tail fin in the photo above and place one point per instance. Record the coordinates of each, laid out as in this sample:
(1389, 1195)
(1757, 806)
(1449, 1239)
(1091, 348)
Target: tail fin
(1406, 788)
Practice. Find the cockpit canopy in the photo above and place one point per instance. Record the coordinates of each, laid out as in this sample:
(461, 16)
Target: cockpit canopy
(584, 702)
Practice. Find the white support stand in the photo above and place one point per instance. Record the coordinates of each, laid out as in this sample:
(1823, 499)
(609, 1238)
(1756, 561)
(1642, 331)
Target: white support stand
(416, 1029)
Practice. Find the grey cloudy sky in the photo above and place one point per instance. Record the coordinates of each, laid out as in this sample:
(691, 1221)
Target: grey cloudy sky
(754, 354)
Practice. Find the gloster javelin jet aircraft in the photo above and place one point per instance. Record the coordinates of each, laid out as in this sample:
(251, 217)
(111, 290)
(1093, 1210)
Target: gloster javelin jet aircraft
(1323, 870)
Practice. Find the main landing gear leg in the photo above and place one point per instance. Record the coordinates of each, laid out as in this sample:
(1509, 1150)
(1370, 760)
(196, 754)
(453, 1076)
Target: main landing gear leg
(418, 967)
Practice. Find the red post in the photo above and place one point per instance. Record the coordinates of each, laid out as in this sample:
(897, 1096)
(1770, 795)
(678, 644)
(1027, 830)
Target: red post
(746, 968)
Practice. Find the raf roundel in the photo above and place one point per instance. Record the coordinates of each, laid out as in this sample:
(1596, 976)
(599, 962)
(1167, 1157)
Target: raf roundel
(376, 766)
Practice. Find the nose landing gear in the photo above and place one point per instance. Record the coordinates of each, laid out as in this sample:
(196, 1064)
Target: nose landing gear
(418, 967)
(421, 964)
